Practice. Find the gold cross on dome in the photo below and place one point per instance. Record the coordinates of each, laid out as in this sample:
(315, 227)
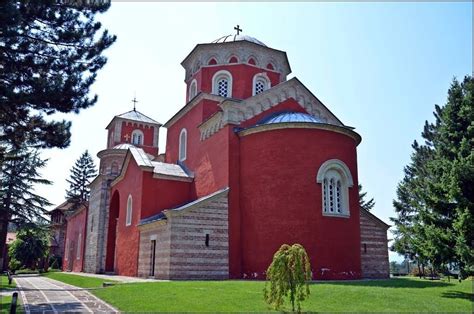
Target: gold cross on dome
(127, 137)
(238, 29)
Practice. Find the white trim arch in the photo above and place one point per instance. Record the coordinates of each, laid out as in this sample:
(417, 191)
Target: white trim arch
(335, 179)
(219, 87)
(192, 90)
(128, 217)
(261, 82)
(137, 137)
(183, 145)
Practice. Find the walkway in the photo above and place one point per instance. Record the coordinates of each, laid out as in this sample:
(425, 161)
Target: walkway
(123, 279)
(44, 295)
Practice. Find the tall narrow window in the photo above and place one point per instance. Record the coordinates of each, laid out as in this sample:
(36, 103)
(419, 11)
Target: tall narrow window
(183, 138)
(222, 84)
(137, 137)
(128, 218)
(79, 240)
(192, 90)
(335, 178)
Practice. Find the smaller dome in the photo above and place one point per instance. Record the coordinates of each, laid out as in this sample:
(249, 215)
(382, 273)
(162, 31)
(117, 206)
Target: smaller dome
(123, 146)
(231, 38)
(290, 117)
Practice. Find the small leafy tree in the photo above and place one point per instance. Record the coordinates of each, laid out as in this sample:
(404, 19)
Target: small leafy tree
(29, 247)
(288, 276)
(81, 175)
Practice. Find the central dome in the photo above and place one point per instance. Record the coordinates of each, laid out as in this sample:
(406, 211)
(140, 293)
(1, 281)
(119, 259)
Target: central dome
(231, 38)
(290, 117)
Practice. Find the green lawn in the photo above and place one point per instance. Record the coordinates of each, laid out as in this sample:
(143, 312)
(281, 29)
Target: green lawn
(395, 295)
(5, 301)
(75, 280)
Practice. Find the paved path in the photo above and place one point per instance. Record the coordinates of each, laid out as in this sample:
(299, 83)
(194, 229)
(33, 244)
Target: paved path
(118, 278)
(44, 295)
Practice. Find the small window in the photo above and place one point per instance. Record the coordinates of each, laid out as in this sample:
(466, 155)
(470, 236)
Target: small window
(270, 66)
(78, 252)
(92, 223)
(114, 168)
(365, 247)
(222, 84)
(233, 60)
(260, 83)
(252, 61)
(206, 242)
(192, 90)
(128, 220)
(183, 138)
(212, 62)
(137, 137)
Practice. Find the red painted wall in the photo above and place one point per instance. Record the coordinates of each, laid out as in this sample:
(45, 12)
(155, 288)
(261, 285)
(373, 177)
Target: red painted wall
(75, 236)
(127, 239)
(281, 202)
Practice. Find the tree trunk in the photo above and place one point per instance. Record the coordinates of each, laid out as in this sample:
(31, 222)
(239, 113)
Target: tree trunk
(3, 239)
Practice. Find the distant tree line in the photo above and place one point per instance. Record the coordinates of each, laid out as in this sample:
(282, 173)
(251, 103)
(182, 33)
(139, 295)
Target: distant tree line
(435, 200)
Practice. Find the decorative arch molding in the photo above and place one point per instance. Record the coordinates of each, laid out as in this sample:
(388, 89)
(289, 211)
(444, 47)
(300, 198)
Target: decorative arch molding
(218, 76)
(337, 165)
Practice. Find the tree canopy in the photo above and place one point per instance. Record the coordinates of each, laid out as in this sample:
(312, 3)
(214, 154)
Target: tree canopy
(435, 199)
(82, 173)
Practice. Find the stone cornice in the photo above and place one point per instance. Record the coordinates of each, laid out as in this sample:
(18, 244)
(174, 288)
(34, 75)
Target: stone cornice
(174, 178)
(190, 105)
(302, 125)
(234, 112)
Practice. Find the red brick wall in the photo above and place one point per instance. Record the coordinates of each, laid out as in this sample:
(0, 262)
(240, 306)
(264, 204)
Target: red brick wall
(280, 201)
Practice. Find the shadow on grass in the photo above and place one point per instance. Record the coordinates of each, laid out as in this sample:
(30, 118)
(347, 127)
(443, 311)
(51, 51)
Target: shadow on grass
(458, 295)
(391, 283)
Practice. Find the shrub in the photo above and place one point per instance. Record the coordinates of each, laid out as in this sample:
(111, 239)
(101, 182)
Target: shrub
(288, 276)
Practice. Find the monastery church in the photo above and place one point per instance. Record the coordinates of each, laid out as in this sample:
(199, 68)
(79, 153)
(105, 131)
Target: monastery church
(253, 160)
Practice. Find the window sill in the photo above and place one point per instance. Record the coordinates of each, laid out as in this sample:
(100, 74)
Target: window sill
(342, 215)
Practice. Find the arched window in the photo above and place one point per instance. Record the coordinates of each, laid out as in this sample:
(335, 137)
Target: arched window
(192, 90)
(128, 217)
(270, 66)
(260, 83)
(212, 62)
(336, 179)
(137, 137)
(183, 138)
(233, 59)
(251, 61)
(222, 84)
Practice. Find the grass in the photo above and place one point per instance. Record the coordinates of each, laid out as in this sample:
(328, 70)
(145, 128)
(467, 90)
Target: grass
(75, 280)
(394, 295)
(6, 300)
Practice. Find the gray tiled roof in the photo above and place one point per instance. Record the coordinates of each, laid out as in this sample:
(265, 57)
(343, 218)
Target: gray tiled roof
(137, 116)
(169, 169)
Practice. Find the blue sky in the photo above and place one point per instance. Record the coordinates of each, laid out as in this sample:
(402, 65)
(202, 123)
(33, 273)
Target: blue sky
(380, 67)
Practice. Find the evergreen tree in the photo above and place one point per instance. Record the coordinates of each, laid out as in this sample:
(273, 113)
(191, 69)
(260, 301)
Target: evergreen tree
(435, 200)
(82, 173)
(29, 247)
(50, 53)
(19, 173)
(367, 205)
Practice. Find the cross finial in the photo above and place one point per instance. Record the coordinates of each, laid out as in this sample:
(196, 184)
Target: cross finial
(238, 29)
(134, 100)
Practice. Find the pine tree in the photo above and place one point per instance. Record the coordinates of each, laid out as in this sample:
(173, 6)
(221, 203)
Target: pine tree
(367, 205)
(19, 173)
(50, 53)
(81, 176)
(435, 200)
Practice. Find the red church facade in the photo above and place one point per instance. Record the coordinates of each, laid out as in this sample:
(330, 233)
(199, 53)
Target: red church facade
(252, 161)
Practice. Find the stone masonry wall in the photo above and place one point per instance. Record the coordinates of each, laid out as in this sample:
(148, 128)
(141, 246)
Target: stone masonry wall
(374, 250)
(181, 251)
